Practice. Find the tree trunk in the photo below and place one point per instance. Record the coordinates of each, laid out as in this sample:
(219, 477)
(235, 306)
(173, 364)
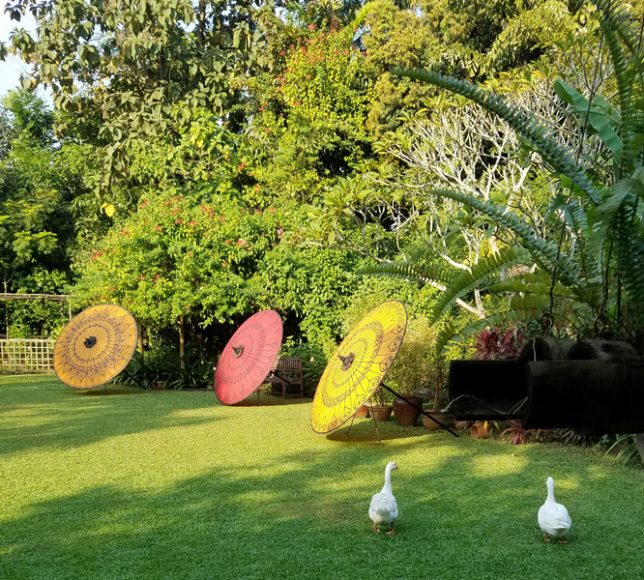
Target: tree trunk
(182, 345)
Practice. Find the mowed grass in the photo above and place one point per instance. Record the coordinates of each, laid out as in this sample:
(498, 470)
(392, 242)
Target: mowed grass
(132, 484)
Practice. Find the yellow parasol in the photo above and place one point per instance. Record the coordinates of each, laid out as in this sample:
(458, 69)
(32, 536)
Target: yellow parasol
(358, 366)
(95, 346)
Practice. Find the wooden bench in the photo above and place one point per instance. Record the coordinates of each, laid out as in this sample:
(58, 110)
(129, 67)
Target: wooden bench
(286, 377)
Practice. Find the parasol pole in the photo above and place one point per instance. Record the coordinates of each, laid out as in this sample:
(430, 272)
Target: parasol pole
(441, 425)
(375, 424)
(353, 418)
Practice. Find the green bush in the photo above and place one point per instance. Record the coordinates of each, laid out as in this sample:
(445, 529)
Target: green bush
(415, 364)
(163, 365)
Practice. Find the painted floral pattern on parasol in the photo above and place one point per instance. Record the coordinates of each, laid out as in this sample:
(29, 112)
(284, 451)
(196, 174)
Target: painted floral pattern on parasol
(95, 346)
(358, 366)
(248, 357)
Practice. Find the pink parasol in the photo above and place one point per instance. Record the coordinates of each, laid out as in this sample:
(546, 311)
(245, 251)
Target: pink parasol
(248, 357)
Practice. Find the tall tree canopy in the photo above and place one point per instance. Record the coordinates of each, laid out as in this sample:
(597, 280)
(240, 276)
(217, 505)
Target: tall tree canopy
(241, 109)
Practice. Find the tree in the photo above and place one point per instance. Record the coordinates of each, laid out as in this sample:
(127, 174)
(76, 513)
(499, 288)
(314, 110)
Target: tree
(596, 247)
(36, 227)
(127, 75)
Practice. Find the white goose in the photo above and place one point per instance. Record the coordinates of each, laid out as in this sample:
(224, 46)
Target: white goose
(384, 508)
(553, 518)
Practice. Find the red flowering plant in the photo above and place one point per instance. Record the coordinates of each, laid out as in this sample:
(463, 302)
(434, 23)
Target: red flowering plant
(495, 344)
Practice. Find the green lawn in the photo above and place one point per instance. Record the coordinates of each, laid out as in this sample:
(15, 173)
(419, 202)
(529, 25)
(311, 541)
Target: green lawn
(133, 484)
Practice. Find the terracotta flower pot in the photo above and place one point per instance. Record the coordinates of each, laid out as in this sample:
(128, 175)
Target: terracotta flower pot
(380, 414)
(444, 418)
(407, 415)
(480, 430)
(362, 412)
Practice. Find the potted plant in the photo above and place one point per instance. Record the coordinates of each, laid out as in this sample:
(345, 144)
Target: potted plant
(412, 371)
(362, 412)
(380, 405)
(436, 401)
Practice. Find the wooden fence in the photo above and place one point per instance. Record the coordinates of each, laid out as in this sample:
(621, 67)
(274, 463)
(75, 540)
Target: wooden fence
(26, 355)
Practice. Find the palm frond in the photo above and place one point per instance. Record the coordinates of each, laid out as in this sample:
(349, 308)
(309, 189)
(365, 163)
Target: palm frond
(541, 288)
(545, 251)
(630, 259)
(616, 18)
(480, 275)
(404, 271)
(623, 40)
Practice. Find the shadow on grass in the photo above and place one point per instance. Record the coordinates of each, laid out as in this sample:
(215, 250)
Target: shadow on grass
(305, 515)
(268, 399)
(46, 414)
(364, 430)
(297, 507)
(105, 391)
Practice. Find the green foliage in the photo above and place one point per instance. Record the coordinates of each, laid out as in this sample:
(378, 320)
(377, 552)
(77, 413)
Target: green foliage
(181, 256)
(612, 204)
(38, 318)
(313, 362)
(30, 116)
(36, 225)
(624, 447)
(197, 373)
(313, 284)
(415, 366)
(530, 34)
(324, 82)
(484, 20)
(372, 291)
(147, 370)
(215, 158)
(599, 116)
(161, 368)
(127, 76)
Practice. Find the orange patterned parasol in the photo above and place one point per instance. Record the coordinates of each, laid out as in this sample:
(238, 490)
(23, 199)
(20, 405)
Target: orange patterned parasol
(358, 366)
(248, 357)
(95, 346)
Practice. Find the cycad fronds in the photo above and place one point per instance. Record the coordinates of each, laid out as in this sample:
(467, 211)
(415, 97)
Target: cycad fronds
(559, 157)
(524, 310)
(630, 259)
(617, 19)
(520, 285)
(480, 275)
(543, 250)
(405, 271)
(623, 41)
